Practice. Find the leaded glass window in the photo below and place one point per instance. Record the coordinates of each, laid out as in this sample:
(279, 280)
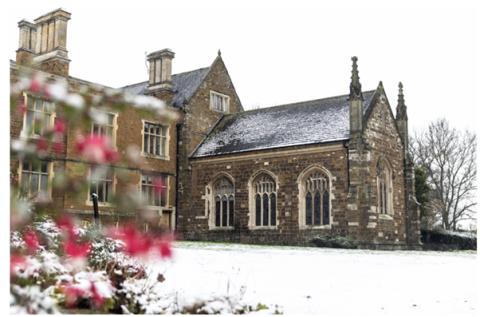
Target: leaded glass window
(38, 116)
(265, 189)
(155, 139)
(101, 183)
(218, 102)
(105, 129)
(224, 194)
(35, 178)
(383, 186)
(154, 190)
(317, 199)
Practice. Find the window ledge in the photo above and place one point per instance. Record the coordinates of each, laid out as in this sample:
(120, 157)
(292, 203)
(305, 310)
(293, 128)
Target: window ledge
(158, 157)
(219, 111)
(100, 204)
(152, 207)
(317, 227)
(221, 228)
(262, 228)
(385, 217)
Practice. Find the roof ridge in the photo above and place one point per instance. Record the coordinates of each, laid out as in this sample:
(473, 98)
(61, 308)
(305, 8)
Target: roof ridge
(191, 71)
(146, 81)
(296, 103)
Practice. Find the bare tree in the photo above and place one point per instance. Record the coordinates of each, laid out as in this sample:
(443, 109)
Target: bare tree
(450, 160)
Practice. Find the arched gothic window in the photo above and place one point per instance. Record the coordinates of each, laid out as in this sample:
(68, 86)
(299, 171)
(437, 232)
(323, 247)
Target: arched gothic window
(317, 199)
(224, 201)
(265, 200)
(384, 177)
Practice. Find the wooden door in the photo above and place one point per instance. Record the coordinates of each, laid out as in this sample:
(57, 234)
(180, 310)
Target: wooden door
(165, 222)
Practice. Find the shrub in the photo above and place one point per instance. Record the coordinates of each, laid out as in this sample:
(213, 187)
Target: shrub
(464, 240)
(332, 241)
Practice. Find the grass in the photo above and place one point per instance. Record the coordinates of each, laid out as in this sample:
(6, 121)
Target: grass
(240, 247)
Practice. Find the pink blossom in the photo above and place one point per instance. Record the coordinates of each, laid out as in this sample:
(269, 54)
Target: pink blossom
(31, 241)
(72, 293)
(97, 149)
(158, 185)
(59, 126)
(42, 145)
(67, 225)
(165, 249)
(21, 109)
(17, 260)
(57, 147)
(76, 250)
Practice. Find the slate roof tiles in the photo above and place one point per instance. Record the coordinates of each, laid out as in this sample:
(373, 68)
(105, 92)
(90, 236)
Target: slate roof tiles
(309, 122)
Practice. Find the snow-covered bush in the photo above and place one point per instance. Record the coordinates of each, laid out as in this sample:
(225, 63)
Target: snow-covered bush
(332, 241)
(464, 240)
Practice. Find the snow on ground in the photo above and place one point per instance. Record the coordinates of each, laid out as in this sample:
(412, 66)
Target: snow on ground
(326, 281)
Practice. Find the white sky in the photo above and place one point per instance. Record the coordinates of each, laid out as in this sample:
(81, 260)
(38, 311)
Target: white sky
(284, 51)
(278, 54)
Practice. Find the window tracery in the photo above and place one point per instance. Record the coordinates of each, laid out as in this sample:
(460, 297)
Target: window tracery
(317, 199)
(265, 191)
(384, 188)
(224, 201)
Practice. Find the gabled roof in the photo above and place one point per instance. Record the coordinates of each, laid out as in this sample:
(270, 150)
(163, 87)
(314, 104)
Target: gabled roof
(184, 85)
(308, 122)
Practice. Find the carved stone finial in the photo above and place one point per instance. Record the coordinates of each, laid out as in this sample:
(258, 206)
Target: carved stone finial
(401, 108)
(355, 86)
(219, 53)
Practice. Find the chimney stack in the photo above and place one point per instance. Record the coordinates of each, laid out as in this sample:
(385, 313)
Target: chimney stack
(27, 42)
(51, 43)
(160, 83)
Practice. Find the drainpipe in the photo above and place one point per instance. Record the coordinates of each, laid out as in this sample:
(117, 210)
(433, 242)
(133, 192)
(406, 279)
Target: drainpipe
(348, 163)
(176, 172)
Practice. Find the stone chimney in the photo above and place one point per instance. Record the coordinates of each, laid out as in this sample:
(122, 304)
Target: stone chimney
(402, 118)
(160, 83)
(51, 43)
(27, 42)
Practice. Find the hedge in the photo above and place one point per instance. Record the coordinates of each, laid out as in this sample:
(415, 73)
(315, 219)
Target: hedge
(332, 241)
(464, 240)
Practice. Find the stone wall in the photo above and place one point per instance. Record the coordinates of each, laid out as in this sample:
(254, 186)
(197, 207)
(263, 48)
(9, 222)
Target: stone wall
(384, 139)
(128, 174)
(199, 118)
(286, 165)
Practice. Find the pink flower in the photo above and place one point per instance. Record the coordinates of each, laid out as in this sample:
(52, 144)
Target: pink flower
(72, 293)
(35, 84)
(59, 126)
(42, 145)
(158, 185)
(97, 299)
(17, 260)
(31, 241)
(57, 147)
(97, 149)
(76, 250)
(66, 224)
(21, 109)
(135, 244)
(165, 249)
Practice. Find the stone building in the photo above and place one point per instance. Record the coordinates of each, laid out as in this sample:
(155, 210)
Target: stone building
(280, 175)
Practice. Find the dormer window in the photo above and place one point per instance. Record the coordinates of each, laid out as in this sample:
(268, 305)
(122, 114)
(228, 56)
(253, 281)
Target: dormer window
(219, 102)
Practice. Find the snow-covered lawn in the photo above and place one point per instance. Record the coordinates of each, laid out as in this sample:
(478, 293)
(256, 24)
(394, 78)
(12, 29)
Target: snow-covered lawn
(326, 281)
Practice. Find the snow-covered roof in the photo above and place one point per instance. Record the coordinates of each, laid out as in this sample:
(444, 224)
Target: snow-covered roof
(184, 85)
(308, 122)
